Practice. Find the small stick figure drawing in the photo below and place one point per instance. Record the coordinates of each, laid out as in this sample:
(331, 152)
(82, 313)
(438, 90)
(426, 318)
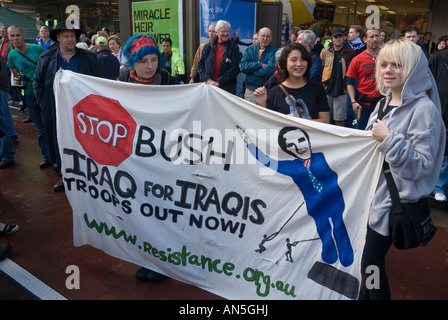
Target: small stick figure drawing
(289, 246)
(261, 246)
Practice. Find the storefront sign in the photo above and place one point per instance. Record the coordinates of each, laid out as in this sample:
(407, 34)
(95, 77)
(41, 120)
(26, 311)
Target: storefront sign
(160, 19)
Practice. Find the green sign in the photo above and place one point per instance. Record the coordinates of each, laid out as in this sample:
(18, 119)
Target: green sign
(160, 19)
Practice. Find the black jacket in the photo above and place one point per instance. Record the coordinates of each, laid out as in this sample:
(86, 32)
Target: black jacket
(43, 90)
(438, 64)
(4, 80)
(109, 64)
(229, 65)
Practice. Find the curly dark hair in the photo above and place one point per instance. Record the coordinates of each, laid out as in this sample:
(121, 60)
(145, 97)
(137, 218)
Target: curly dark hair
(282, 62)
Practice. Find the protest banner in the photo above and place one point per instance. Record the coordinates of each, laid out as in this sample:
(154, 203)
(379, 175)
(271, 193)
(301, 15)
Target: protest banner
(212, 190)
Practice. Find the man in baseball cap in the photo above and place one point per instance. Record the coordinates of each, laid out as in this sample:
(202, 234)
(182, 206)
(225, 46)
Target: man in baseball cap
(337, 32)
(108, 62)
(101, 41)
(335, 62)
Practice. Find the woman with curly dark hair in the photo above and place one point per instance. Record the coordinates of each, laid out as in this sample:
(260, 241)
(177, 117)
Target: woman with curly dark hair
(296, 95)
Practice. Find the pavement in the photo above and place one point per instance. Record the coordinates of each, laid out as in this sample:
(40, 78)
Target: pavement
(44, 259)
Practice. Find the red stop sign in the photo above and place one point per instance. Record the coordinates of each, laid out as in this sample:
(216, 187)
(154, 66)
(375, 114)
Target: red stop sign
(104, 129)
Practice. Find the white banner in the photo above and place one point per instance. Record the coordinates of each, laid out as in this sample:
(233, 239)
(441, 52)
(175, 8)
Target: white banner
(214, 191)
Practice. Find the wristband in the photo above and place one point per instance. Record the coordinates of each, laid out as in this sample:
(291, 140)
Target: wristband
(355, 102)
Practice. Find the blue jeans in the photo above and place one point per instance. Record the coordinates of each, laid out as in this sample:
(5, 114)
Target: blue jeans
(10, 130)
(365, 115)
(6, 150)
(443, 177)
(13, 90)
(35, 115)
(239, 84)
(350, 114)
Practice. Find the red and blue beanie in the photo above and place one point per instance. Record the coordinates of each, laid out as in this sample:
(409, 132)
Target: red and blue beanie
(139, 46)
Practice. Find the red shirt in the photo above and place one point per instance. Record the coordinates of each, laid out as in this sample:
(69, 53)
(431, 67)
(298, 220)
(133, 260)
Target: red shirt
(3, 50)
(218, 57)
(362, 68)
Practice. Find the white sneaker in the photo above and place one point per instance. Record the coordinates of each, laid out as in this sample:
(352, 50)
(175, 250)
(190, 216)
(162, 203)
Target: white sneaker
(440, 197)
(12, 103)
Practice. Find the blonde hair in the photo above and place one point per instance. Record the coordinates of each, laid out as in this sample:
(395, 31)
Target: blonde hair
(402, 52)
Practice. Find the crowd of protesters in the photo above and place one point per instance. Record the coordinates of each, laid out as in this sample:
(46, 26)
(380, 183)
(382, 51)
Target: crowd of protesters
(338, 80)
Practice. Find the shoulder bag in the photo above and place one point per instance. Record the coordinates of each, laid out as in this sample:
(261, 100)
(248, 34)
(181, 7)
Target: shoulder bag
(410, 224)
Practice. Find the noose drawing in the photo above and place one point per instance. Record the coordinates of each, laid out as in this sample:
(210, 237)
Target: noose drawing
(266, 238)
(261, 247)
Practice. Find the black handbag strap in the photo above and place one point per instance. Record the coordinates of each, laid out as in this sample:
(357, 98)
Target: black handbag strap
(27, 57)
(292, 100)
(394, 195)
(381, 109)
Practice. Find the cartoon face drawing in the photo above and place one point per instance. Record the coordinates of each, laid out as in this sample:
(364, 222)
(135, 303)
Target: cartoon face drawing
(298, 144)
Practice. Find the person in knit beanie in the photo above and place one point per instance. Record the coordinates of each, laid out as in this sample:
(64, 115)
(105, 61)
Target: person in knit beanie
(142, 60)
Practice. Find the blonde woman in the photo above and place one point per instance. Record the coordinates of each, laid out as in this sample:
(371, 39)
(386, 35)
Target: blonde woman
(410, 134)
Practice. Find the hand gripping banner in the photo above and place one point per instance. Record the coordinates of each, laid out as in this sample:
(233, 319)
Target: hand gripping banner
(214, 191)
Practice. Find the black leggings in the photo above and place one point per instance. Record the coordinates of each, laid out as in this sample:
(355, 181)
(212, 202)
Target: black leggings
(374, 254)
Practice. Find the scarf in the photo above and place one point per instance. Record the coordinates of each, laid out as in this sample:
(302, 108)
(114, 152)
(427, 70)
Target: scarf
(156, 79)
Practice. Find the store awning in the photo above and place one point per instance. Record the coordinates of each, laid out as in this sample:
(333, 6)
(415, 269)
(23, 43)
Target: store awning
(28, 25)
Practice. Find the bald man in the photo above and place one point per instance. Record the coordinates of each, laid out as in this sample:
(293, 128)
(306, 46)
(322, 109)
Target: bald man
(258, 63)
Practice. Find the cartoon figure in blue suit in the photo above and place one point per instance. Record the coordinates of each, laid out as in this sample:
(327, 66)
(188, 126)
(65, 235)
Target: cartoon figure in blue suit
(319, 186)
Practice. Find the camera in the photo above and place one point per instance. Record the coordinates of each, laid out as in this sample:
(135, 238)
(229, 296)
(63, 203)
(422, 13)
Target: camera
(23, 79)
